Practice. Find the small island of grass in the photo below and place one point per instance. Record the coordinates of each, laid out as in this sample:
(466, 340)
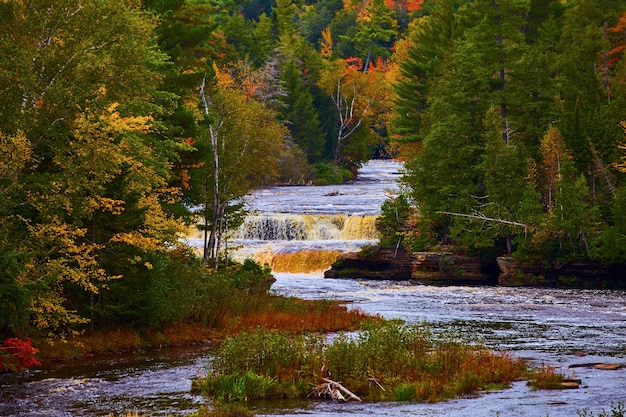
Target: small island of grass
(383, 361)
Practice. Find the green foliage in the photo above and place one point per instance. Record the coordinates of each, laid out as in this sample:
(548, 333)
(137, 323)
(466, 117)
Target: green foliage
(406, 360)
(303, 121)
(477, 94)
(617, 410)
(326, 173)
(174, 287)
(392, 221)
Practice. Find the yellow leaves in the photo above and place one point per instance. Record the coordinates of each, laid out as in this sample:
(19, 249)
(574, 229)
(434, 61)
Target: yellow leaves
(120, 124)
(552, 147)
(105, 204)
(137, 239)
(327, 43)
(15, 155)
(49, 313)
(58, 254)
(223, 78)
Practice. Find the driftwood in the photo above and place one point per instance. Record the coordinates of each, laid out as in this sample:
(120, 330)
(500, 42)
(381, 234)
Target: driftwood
(334, 390)
(375, 381)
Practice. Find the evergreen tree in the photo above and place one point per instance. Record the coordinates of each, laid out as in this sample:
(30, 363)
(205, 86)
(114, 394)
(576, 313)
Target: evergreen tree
(300, 115)
(376, 31)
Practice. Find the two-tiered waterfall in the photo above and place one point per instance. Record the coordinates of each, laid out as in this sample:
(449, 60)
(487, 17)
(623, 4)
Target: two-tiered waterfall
(303, 228)
(292, 226)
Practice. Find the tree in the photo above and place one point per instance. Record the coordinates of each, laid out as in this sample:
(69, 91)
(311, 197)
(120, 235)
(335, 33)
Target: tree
(353, 94)
(507, 187)
(375, 32)
(570, 219)
(78, 82)
(301, 116)
(243, 138)
(429, 39)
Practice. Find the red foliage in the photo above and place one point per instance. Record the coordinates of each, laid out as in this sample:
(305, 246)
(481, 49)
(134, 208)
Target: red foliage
(17, 354)
(409, 5)
(354, 63)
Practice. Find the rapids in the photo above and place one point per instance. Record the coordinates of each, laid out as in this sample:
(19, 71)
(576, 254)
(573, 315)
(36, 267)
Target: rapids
(552, 326)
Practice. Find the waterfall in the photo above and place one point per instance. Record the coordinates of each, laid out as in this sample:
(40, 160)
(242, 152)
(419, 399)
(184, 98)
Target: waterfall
(303, 229)
(280, 226)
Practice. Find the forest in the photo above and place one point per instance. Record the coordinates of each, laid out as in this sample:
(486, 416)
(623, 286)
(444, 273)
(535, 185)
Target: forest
(123, 121)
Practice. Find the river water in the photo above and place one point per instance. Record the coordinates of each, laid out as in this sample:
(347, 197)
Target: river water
(560, 327)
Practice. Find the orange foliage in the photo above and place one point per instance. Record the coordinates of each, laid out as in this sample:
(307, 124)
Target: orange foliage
(355, 63)
(311, 318)
(409, 5)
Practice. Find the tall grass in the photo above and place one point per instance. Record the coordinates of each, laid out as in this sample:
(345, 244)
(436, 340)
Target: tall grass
(383, 361)
(294, 315)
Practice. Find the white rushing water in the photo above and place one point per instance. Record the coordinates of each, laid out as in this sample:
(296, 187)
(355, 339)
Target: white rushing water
(552, 326)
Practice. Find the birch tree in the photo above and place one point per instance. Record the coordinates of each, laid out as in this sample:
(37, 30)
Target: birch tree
(244, 140)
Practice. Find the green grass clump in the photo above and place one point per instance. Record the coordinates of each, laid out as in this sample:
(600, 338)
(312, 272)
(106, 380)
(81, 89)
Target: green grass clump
(383, 361)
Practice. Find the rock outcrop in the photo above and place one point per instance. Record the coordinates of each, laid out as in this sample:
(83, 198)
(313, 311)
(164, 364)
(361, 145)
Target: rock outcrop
(426, 267)
(448, 268)
(570, 275)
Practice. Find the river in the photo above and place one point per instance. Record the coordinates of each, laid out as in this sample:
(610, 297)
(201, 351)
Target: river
(560, 327)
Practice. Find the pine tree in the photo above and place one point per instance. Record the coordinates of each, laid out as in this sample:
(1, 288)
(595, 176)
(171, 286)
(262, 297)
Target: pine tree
(300, 115)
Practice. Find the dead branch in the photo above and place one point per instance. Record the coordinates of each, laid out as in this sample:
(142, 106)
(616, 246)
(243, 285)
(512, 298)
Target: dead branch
(485, 218)
(333, 390)
(375, 381)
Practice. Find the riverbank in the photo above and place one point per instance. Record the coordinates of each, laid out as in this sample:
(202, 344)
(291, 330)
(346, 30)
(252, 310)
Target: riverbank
(446, 267)
(287, 314)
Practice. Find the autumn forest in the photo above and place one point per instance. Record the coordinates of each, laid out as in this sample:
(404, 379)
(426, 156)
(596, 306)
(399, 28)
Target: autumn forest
(124, 121)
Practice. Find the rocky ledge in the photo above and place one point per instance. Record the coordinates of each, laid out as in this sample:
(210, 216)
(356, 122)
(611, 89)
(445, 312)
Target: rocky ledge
(427, 267)
(571, 275)
(446, 268)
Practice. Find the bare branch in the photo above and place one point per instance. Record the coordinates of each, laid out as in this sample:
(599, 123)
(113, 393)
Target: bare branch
(485, 218)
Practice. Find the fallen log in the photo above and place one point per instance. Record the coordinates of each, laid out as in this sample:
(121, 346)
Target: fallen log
(342, 388)
(334, 390)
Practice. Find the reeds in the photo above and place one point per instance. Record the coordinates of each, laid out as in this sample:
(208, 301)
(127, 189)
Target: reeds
(293, 315)
(383, 361)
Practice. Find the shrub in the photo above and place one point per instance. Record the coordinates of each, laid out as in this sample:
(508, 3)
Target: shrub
(17, 354)
(326, 174)
(545, 377)
(384, 360)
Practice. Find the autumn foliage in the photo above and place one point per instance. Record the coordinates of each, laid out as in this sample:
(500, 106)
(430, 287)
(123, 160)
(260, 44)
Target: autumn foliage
(17, 354)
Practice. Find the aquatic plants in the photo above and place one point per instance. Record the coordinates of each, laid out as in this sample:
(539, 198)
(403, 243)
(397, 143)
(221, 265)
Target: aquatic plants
(617, 410)
(546, 377)
(383, 361)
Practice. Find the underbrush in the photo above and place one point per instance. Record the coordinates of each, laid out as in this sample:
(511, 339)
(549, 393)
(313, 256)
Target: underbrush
(231, 302)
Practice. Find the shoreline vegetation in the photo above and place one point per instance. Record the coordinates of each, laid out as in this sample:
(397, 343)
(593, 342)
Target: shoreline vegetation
(270, 346)
(385, 360)
(287, 314)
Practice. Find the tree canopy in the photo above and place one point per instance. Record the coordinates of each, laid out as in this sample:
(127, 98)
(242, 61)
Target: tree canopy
(122, 121)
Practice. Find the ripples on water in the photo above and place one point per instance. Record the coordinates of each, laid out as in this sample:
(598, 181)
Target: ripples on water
(543, 325)
(552, 326)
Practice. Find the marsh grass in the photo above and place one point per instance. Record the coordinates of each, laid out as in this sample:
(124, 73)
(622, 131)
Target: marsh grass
(383, 361)
(293, 315)
(286, 314)
(545, 377)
